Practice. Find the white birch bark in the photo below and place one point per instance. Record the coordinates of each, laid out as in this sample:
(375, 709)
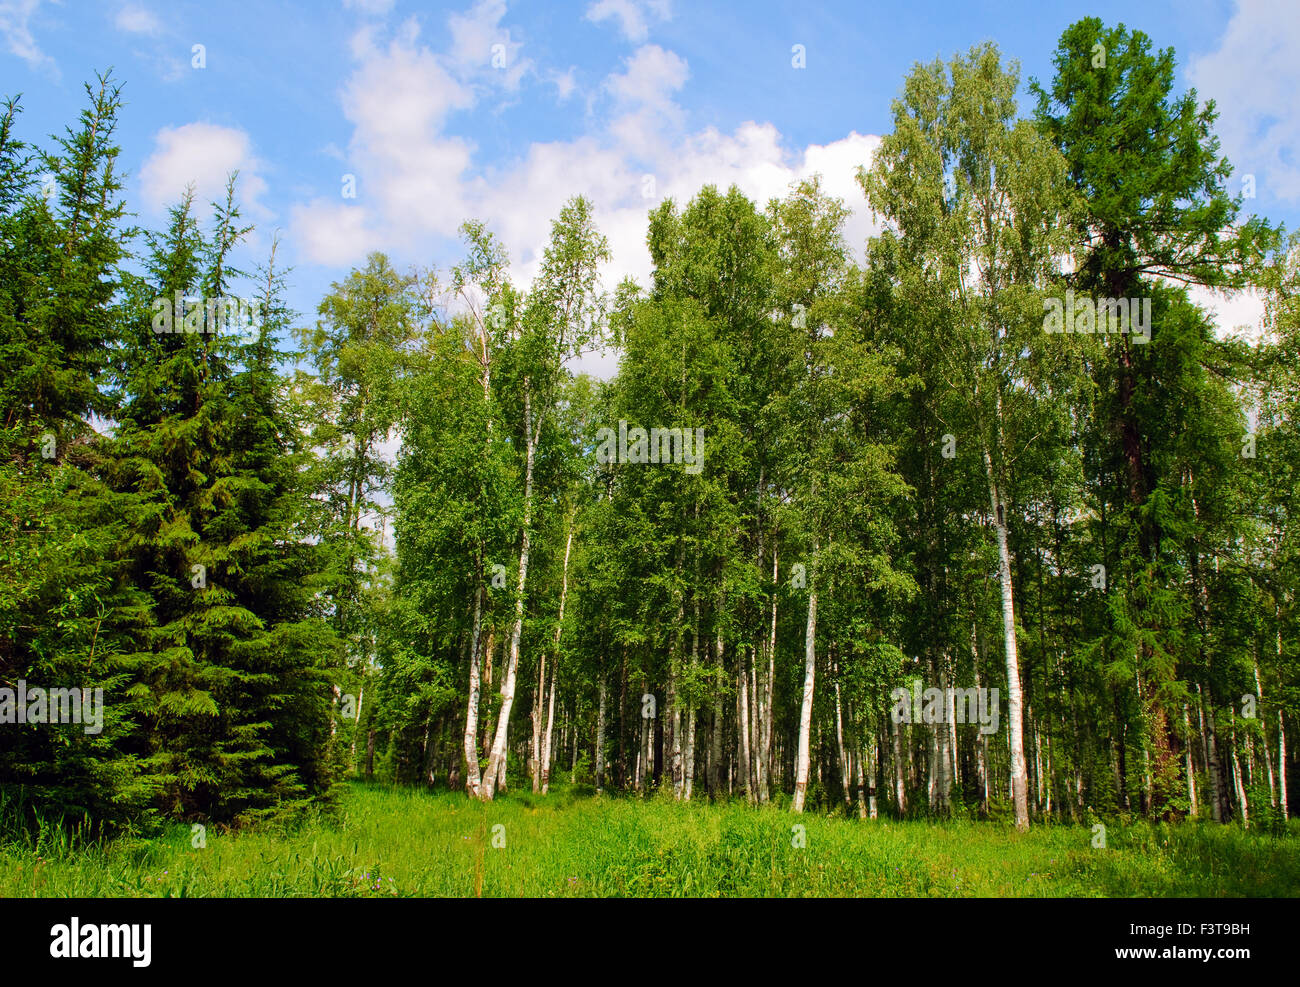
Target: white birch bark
(742, 722)
(1264, 734)
(1237, 780)
(1281, 766)
(806, 707)
(470, 740)
(546, 744)
(1019, 775)
(497, 760)
(600, 738)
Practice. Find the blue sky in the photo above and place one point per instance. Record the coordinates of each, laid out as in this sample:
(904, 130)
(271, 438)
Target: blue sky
(501, 111)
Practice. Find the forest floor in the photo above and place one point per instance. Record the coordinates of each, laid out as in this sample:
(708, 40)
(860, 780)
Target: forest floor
(383, 841)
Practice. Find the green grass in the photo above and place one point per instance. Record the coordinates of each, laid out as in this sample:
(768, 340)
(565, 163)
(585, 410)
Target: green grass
(402, 842)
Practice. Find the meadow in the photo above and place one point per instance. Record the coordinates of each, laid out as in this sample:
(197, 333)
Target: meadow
(398, 842)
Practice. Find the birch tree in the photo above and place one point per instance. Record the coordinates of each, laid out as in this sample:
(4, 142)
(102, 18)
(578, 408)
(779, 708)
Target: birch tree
(561, 318)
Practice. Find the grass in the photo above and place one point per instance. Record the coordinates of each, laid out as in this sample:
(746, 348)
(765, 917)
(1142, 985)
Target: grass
(394, 842)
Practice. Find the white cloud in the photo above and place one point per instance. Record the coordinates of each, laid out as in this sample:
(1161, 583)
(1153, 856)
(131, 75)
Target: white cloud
(336, 233)
(1241, 314)
(630, 14)
(418, 179)
(203, 154)
(135, 19)
(566, 83)
(482, 49)
(652, 76)
(16, 29)
(1253, 78)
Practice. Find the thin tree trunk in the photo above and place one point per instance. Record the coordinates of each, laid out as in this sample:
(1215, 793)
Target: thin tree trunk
(1218, 795)
(539, 700)
(1019, 775)
(765, 753)
(1236, 778)
(471, 712)
(981, 741)
(809, 676)
(1263, 731)
(742, 721)
(1281, 766)
(497, 760)
(845, 767)
(559, 627)
(900, 790)
(600, 738)
(546, 742)
(715, 736)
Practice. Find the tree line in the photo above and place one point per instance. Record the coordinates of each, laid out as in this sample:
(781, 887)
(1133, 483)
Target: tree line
(995, 523)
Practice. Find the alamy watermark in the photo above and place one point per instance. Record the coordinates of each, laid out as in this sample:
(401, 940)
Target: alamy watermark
(225, 314)
(659, 445)
(39, 705)
(1102, 316)
(975, 705)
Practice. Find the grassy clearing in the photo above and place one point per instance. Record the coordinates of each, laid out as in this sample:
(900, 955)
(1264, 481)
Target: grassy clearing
(400, 842)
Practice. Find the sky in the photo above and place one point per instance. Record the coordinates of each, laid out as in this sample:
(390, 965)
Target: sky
(359, 125)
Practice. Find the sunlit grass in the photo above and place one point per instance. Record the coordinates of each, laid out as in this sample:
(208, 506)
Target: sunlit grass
(407, 842)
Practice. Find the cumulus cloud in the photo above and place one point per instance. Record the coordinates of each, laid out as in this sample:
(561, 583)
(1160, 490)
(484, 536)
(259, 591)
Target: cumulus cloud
(566, 83)
(1240, 314)
(202, 154)
(482, 49)
(419, 180)
(631, 15)
(1253, 77)
(135, 19)
(16, 29)
(337, 233)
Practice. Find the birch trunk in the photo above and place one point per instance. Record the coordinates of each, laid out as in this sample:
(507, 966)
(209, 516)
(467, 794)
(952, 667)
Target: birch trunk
(981, 741)
(900, 789)
(497, 760)
(715, 736)
(1281, 766)
(555, 650)
(1237, 780)
(806, 707)
(1193, 808)
(1263, 732)
(539, 700)
(845, 768)
(688, 767)
(546, 743)
(1214, 768)
(600, 738)
(765, 753)
(471, 712)
(742, 722)
(1019, 775)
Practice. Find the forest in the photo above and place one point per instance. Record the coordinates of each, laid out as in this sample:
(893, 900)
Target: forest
(995, 527)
